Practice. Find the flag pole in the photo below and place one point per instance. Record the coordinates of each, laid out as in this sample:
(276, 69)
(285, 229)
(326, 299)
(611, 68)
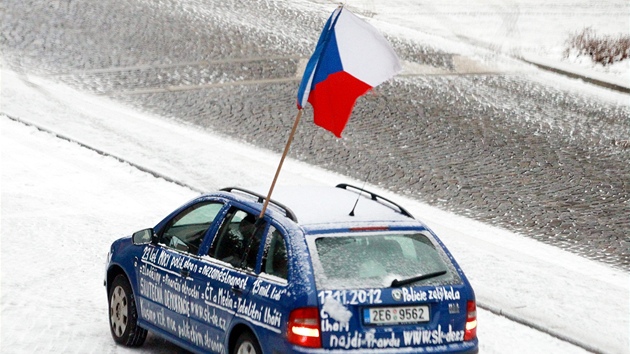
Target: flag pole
(284, 154)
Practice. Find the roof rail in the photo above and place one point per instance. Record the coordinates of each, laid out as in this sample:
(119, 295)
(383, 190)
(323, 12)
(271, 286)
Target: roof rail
(376, 197)
(288, 212)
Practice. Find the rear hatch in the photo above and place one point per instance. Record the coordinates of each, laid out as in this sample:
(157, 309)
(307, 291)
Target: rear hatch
(391, 290)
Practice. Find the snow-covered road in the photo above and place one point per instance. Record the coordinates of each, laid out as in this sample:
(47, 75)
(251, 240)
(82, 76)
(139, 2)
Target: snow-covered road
(63, 204)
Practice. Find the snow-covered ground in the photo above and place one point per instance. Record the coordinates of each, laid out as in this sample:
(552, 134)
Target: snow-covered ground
(62, 205)
(481, 30)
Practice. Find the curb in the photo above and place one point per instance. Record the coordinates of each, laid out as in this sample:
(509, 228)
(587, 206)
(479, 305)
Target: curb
(572, 75)
(104, 153)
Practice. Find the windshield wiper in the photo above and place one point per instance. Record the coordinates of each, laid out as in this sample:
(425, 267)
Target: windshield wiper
(397, 283)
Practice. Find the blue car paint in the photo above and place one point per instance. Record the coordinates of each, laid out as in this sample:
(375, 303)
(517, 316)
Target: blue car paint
(127, 257)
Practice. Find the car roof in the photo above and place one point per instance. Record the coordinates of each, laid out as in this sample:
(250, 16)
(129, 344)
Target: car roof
(321, 207)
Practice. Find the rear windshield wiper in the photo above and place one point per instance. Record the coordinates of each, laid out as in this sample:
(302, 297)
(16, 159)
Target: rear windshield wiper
(397, 283)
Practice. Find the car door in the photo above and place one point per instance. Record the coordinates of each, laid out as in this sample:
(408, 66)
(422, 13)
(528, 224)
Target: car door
(163, 272)
(270, 291)
(224, 278)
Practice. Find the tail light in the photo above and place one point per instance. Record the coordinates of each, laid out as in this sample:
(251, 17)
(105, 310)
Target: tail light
(303, 327)
(471, 320)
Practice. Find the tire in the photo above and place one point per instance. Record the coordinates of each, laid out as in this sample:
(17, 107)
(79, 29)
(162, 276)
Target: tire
(123, 316)
(246, 344)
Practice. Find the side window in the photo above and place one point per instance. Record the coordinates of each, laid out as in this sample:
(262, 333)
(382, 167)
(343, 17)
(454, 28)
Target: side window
(237, 241)
(185, 231)
(275, 261)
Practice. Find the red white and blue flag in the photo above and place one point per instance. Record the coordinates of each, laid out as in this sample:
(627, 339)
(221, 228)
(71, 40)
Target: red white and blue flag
(351, 57)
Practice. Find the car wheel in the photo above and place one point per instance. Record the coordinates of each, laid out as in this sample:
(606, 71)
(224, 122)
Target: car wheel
(123, 316)
(247, 344)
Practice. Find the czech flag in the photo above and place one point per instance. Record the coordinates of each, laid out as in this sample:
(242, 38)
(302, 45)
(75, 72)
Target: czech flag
(350, 58)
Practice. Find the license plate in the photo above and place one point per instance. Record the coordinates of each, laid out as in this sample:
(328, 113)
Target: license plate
(396, 315)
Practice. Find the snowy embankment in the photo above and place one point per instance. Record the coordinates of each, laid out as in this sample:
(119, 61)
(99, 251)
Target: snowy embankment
(63, 204)
(535, 32)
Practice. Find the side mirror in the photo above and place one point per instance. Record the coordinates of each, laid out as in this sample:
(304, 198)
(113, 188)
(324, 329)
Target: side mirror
(142, 237)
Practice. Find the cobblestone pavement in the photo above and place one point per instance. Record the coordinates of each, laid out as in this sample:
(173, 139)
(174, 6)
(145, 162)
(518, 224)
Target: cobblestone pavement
(502, 148)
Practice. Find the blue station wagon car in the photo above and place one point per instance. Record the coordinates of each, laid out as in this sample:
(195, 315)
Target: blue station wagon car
(324, 270)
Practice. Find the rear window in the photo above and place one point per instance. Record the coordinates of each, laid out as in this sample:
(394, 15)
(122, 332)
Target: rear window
(369, 261)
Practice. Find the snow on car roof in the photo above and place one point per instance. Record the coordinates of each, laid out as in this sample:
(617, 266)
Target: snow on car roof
(323, 205)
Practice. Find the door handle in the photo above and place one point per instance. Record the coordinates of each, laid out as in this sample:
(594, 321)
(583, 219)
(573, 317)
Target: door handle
(185, 273)
(235, 289)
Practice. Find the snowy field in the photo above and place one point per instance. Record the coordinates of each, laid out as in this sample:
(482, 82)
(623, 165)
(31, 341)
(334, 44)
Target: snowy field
(63, 204)
(536, 31)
